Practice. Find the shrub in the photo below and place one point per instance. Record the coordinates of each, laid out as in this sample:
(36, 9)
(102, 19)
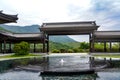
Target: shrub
(63, 51)
(21, 48)
(84, 45)
(99, 47)
(82, 50)
(114, 49)
(55, 51)
(70, 51)
(86, 50)
(76, 50)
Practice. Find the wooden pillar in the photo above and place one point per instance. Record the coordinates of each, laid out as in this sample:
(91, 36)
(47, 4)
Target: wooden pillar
(119, 46)
(47, 43)
(43, 46)
(90, 43)
(104, 46)
(34, 47)
(43, 42)
(10, 48)
(4, 47)
(110, 46)
(91, 38)
(0, 47)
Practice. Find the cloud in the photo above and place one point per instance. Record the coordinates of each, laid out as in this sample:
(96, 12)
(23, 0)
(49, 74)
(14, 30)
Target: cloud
(37, 11)
(107, 17)
(80, 38)
(104, 12)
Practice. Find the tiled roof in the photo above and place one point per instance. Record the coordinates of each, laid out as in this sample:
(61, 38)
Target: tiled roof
(66, 28)
(6, 18)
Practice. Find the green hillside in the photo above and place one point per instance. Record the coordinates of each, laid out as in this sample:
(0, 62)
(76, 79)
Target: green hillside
(2, 29)
(72, 44)
(54, 45)
(61, 39)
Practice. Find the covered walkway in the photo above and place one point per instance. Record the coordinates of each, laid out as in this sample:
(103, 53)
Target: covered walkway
(8, 39)
(107, 37)
(68, 28)
(57, 28)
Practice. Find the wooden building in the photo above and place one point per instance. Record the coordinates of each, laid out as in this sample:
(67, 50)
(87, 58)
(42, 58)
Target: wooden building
(8, 38)
(6, 18)
(107, 37)
(68, 28)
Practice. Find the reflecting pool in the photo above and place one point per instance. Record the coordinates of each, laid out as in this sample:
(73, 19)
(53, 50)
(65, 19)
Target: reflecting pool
(68, 63)
(54, 63)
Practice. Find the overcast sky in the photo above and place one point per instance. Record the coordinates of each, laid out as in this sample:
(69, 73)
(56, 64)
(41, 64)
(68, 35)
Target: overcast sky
(106, 13)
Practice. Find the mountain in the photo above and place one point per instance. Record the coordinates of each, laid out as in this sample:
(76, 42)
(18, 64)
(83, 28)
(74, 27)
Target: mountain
(35, 29)
(22, 29)
(2, 29)
(61, 39)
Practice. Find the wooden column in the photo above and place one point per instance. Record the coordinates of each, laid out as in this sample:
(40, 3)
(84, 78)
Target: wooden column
(90, 43)
(91, 38)
(110, 46)
(34, 47)
(10, 47)
(47, 43)
(119, 46)
(4, 47)
(43, 46)
(1, 47)
(104, 46)
(43, 42)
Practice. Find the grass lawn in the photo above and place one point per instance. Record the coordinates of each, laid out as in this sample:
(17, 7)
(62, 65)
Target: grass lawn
(12, 56)
(107, 55)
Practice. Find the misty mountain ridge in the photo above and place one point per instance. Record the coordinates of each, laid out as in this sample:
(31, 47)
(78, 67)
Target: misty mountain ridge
(22, 29)
(35, 29)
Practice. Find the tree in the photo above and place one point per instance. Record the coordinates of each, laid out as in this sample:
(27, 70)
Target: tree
(76, 50)
(84, 45)
(55, 51)
(21, 48)
(70, 51)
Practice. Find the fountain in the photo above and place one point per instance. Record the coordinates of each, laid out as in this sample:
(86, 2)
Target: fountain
(62, 62)
(68, 65)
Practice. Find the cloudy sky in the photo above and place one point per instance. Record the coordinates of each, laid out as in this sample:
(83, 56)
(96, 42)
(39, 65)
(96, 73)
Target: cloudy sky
(106, 13)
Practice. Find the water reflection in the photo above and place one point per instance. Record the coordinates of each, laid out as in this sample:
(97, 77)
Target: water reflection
(20, 75)
(77, 77)
(68, 63)
(25, 75)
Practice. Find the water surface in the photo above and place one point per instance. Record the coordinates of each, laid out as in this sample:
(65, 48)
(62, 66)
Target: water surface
(58, 63)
